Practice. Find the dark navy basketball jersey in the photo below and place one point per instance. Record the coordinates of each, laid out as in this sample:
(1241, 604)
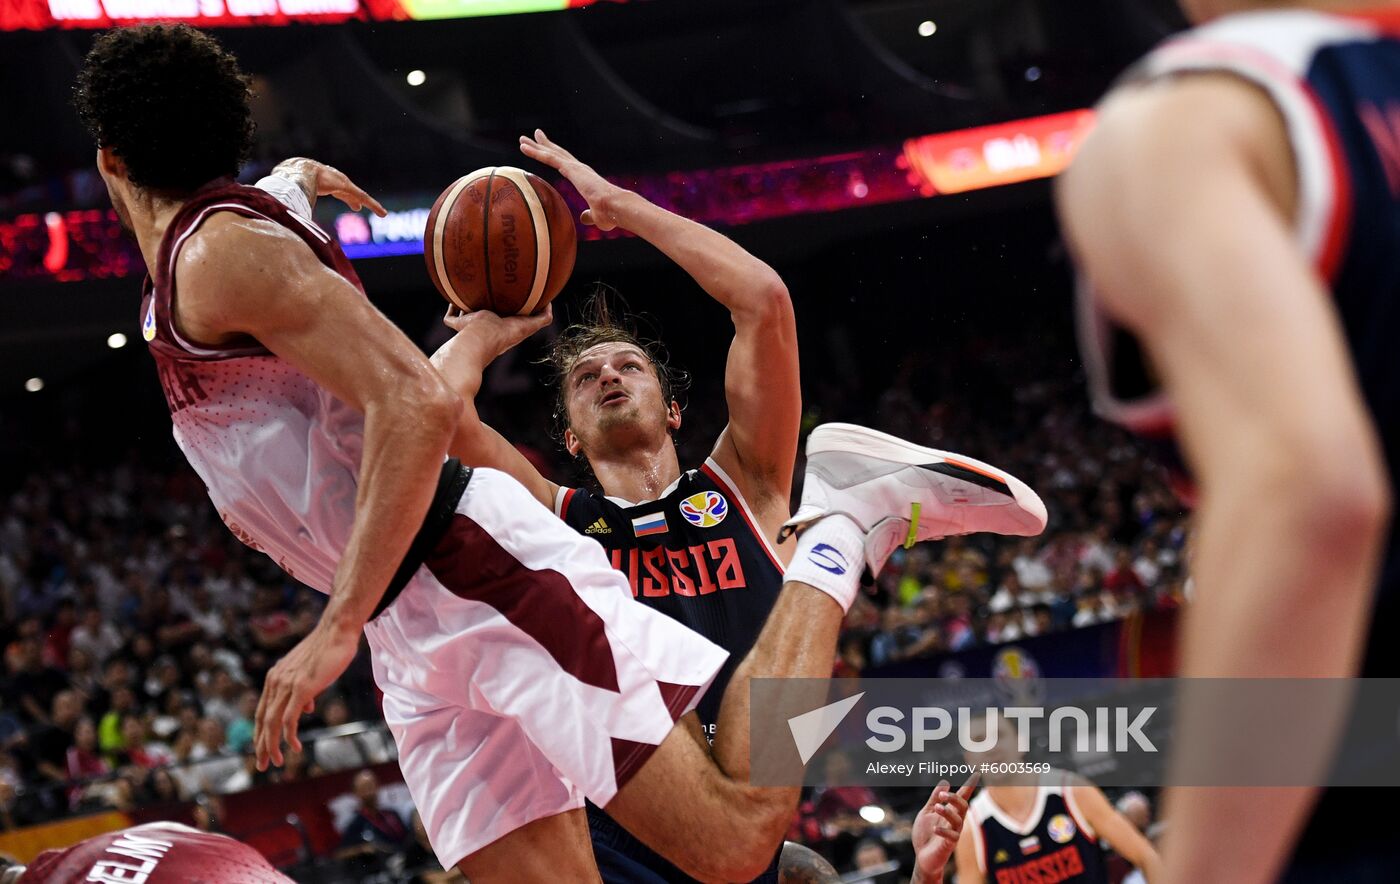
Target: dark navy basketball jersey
(1054, 844)
(1335, 80)
(697, 555)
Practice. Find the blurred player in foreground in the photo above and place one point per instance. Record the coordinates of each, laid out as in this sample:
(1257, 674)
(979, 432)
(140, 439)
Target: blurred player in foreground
(1042, 828)
(322, 434)
(154, 853)
(1236, 217)
(695, 545)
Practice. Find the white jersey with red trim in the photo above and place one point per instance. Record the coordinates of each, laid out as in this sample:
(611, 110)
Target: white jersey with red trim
(278, 454)
(1335, 81)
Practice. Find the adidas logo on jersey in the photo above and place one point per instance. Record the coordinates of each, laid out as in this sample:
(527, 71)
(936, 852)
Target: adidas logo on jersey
(598, 527)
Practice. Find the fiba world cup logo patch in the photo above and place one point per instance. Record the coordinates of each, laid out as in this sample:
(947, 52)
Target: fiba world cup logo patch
(148, 326)
(1061, 828)
(705, 510)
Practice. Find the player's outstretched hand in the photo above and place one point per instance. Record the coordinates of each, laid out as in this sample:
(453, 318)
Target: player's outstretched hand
(292, 685)
(495, 334)
(937, 829)
(330, 181)
(597, 191)
(315, 177)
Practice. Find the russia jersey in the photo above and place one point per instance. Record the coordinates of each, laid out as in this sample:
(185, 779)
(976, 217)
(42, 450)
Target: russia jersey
(1053, 845)
(278, 454)
(696, 554)
(155, 853)
(1335, 81)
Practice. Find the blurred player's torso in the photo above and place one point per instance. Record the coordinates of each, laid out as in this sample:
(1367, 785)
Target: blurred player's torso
(1335, 80)
(278, 454)
(1051, 845)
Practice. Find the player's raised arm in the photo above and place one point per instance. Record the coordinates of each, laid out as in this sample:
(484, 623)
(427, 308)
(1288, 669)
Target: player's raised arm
(1197, 259)
(762, 384)
(254, 277)
(481, 337)
(1114, 828)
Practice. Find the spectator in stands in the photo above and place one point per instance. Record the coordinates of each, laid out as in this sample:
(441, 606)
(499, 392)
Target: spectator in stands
(31, 685)
(49, 743)
(220, 697)
(347, 750)
(164, 789)
(95, 635)
(374, 833)
(137, 749)
(240, 730)
(870, 855)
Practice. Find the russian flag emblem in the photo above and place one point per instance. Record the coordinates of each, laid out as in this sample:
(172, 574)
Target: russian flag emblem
(652, 523)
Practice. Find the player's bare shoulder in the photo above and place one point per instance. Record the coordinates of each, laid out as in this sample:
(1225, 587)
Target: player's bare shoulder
(236, 273)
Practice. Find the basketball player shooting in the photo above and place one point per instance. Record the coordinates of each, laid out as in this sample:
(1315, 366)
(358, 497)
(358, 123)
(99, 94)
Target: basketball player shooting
(694, 544)
(321, 433)
(1236, 212)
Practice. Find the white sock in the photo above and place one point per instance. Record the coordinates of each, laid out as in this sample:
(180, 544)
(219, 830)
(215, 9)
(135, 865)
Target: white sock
(830, 556)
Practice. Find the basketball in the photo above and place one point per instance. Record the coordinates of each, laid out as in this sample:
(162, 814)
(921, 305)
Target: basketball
(500, 239)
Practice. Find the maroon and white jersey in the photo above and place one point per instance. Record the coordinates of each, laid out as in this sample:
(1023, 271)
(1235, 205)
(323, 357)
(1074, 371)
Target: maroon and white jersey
(156, 853)
(278, 453)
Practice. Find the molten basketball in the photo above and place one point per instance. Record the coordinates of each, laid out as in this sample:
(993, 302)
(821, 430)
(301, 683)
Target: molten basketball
(500, 239)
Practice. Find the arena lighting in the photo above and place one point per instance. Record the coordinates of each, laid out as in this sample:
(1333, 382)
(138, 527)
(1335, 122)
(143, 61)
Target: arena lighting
(116, 341)
(927, 28)
(872, 814)
(417, 78)
(34, 385)
(39, 15)
(94, 246)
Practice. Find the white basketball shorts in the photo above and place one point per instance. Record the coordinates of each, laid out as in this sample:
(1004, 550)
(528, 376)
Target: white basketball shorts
(520, 676)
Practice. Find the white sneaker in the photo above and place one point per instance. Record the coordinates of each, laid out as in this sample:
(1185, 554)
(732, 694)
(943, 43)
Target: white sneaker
(900, 493)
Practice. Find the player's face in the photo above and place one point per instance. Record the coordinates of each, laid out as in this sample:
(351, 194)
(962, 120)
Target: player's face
(615, 402)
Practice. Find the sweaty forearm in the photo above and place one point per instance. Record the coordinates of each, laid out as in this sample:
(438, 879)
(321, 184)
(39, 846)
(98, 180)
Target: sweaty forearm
(403, 454)
(462, 361)
(723, 268)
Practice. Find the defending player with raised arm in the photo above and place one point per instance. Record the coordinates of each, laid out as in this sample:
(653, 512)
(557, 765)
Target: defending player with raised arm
(1235, 212)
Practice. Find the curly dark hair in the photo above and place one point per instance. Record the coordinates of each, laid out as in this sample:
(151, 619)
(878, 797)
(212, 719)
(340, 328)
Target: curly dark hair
(604, 323)
(170, 102)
